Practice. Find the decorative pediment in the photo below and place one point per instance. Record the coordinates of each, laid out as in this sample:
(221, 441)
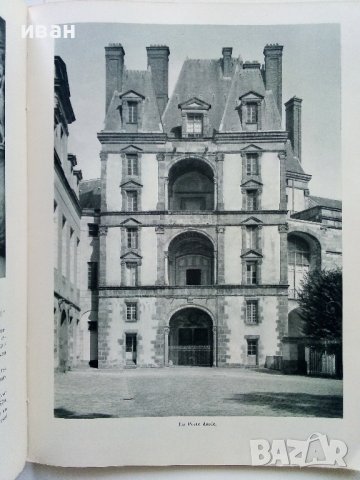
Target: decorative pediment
(131, 256)
(131, 184)
(252, 221)
(130, 222)
(251, 255)
(251, 96)
(131, 94)
(251, 149)
(194, 104)
(131, 149)
(251, 184)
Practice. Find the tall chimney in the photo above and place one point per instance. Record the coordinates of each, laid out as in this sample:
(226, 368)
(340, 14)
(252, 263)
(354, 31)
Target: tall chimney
(114, 58)
(273, 72)
(293, 124)
(227, 61)
(158, 61)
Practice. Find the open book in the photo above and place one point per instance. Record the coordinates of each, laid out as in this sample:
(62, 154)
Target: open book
(174, 289)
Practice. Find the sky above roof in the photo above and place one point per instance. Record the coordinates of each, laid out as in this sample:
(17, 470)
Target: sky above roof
(311, 71)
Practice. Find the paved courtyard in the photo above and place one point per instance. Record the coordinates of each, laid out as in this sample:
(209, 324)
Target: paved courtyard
(193, 391)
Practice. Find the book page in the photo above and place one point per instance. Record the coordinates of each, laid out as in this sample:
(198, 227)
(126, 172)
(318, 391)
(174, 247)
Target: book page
(13, 240)
(181, 212)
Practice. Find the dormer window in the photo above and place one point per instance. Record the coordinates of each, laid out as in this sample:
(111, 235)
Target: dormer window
(194, 125)
(251, 113)
(195, 118)
(133, 112)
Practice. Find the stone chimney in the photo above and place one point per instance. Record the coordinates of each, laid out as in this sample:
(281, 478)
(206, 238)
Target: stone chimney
(227, 61)
(158, 61)
(293, 124)
(114, 58)
(273, 72)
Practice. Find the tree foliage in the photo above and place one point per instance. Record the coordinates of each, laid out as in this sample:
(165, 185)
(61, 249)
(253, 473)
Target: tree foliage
(320, 301)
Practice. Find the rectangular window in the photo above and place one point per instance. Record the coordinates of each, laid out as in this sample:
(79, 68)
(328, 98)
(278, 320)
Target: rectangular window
(252, 347)
(251, 273)
(132, 164)
(252, 312)
(251, 113)
(92, 275)
(93, 229)
(133, 112)
(132, 237)
(252, 164)
(132, 201)
(132, 274)
(194, 125)
(131, 312)
(251, 237)
(251, 200)
(130, 348)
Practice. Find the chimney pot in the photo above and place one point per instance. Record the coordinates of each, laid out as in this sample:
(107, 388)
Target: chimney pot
(114, 59)
(293, 124)
(158, 61)
(227, 61)
(273, 72)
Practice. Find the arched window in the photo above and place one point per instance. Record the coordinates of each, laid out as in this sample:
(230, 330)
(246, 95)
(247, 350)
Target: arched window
(299, 259)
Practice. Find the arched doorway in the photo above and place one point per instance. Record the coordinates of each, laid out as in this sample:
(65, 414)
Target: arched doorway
(191, 338)
(191, 186)
(191, 260)
(304, 255)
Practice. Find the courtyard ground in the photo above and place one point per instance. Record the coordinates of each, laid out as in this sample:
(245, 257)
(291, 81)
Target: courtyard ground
(185, 391)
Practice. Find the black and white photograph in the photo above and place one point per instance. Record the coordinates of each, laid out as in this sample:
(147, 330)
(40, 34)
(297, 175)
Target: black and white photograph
(2, 150)
(197, 221)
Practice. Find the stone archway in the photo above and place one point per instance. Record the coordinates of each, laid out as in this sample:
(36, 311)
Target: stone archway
(191, 186)
(191, 341)
(191, 260)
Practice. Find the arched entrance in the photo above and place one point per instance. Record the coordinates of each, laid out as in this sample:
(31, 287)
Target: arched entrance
(191, 186)
(191, 260)
(191, 338)
(304, 255)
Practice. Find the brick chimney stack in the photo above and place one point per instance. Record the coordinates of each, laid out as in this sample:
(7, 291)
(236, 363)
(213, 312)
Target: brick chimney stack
(114, 59)
(227, 61)
(273, 72)
(158, 61)
(293, 124)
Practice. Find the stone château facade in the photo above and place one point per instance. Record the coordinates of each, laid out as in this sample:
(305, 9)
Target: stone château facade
(196, 237)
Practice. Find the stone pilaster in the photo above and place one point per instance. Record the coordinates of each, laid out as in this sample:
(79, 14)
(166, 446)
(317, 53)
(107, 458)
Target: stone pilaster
(214, 346)
(283, 231)
(220, 255)
(103, 158)
(283, 203)
(220, 181)
(160, 255)
(103, 230)
(160, 157)
(166, 346)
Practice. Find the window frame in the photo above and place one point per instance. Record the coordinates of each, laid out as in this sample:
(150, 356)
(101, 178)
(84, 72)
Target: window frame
(133, 112)
(131, 234)
(252, 276)
(252, 312)
(128, 267)
(252, 195)
(132, 164)
(132, 312)
(251, 343)
(134, 194)
(251, 161)
(252, 113)
(193, 116)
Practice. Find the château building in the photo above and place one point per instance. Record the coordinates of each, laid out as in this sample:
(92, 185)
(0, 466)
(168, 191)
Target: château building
(196, 238)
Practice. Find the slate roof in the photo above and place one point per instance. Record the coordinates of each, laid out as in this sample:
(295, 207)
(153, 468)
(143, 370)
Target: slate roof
(139, 81)
(292, 163)
(324, 202)
(204, 79)
(89, 194)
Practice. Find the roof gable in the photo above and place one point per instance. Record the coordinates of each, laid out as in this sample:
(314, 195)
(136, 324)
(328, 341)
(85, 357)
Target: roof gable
(194, 103)
(251, 94)
(131, 149)
(252, 184)
(251, 148)
(131, 183)
(132, 94)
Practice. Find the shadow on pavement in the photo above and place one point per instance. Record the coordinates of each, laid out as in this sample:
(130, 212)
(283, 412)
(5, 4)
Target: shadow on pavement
(64, 413)
(287, 404)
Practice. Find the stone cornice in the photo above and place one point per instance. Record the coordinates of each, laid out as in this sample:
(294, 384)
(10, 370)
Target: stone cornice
(253, 137)
(139, 137)
(298, 176)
